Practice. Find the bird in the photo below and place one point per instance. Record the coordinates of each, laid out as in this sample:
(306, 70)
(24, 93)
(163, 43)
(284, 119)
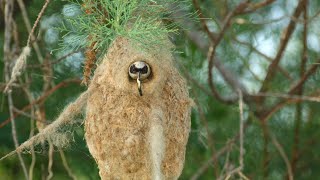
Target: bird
(138, 114)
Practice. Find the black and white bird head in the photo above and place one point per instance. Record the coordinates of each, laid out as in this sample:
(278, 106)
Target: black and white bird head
(139, 71)
(126, 67)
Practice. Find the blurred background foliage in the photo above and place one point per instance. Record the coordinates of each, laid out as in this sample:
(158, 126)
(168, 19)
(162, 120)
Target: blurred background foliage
(247, 47)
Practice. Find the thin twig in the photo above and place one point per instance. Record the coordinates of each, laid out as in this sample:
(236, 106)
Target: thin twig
(290, 97)
(28, 26)
(249, 45)
(252, 7)
(53, 62)
(241, 130)
(24, 113)
(33, 155)
(8, 12)
(283, 155)
(42, 98)
(66, 166)
(32, 117)
(303, 79)
(67, 116)
(191, 79)
(204, 167)
(214, 91)
(202, 18)
(241, 139)
(232, 172)
(265, 151)
(202, 43)
(22, 59)
(286, 34)
(212, 51)
(298, 115)
(209, 135)
(243, 176)
(50, 162)
(226, 164)
(37, 21)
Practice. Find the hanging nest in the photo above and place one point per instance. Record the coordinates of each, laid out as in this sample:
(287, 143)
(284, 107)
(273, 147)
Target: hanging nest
(132, 136)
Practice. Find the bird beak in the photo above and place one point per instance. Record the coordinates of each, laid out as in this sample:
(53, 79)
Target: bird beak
(139, 83)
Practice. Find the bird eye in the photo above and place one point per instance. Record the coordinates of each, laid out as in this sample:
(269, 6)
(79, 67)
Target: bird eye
(139, 68)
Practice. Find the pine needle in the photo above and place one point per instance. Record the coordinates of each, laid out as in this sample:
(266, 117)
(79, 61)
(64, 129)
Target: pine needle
(103, 21)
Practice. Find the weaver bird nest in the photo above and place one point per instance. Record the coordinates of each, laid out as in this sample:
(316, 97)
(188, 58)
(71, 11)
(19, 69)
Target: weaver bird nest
(135, 136)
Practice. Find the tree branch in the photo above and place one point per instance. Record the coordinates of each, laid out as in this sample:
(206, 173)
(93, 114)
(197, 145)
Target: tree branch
(8, 12)
(42, 98)
(284, 39)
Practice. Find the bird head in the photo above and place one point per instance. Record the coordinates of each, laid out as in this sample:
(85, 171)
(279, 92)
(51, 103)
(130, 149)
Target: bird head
(141, 72)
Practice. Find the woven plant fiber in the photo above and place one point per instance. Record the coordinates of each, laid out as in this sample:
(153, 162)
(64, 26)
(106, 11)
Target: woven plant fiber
(132, 136)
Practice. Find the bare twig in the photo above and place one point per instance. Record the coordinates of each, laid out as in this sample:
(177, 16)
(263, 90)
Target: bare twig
(212, 51)
(18, 67)
(53, 62)
(37, 21)
(32, 117)
(28, 26)
(42, 98)
(215, 39)
(241, 131)
(204, 167)
(202, 43)
(255, 6)
(33, 155)
(8, 12)
(191, 79)
(67, 116)
(283, 71)
(214, 91)
(265, 151)
(298, 115)
(303, 78)
(232, 172)
(226, 164)
(289, 97)
(239, 169)
(283, 155)
(209, 135)
(21, 61)
(50, 162)
(286, 34)
(24, 113)
(243, 176)
(202, 18)
(66, 166)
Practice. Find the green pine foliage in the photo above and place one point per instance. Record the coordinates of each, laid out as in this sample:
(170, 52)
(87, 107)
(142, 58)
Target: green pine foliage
(100, 22)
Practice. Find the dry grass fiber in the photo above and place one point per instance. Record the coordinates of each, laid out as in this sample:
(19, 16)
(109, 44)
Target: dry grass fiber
(132, 136)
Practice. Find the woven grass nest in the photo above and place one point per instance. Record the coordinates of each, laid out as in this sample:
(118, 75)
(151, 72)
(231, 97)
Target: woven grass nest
(132, 136)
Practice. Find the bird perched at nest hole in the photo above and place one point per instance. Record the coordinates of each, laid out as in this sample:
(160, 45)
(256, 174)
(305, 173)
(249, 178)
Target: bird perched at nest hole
(138, 114)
